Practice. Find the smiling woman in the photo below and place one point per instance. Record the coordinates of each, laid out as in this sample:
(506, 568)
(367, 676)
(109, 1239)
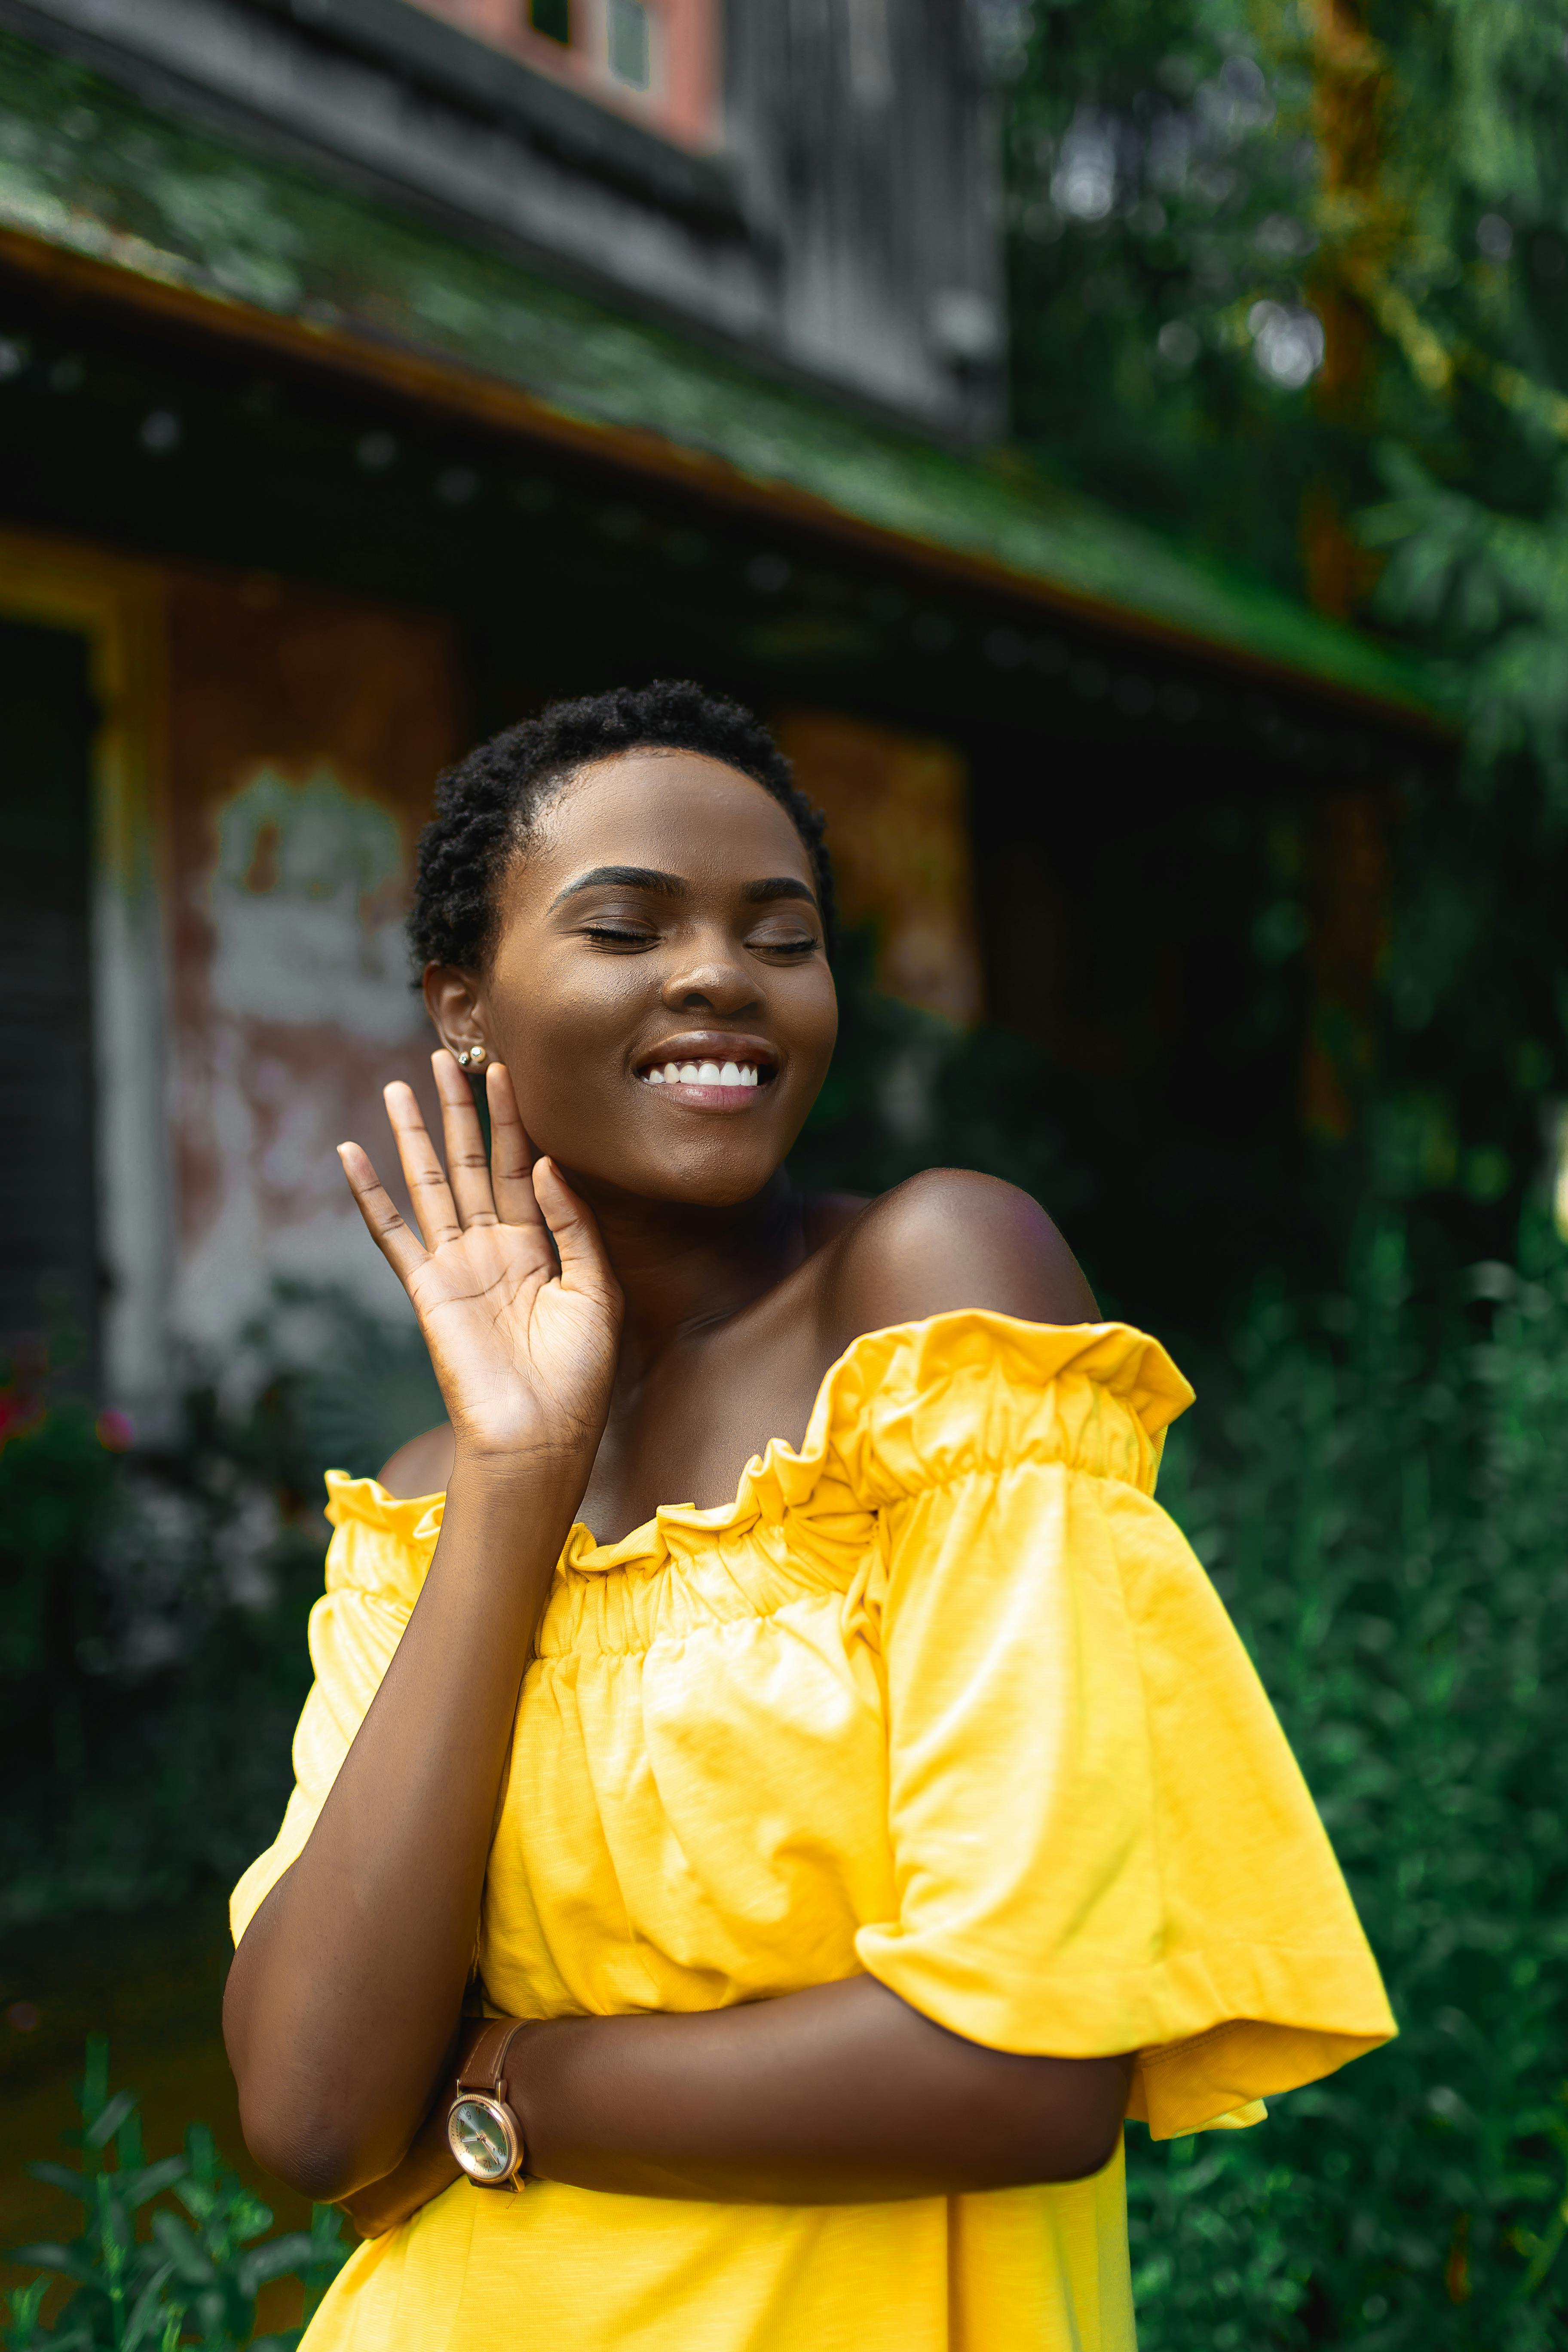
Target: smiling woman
(775, 1783)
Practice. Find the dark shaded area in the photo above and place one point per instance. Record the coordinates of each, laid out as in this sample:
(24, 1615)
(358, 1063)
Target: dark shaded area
(49, 1244)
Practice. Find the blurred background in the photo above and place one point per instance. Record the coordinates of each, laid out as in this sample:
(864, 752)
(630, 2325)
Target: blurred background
(1121, 446)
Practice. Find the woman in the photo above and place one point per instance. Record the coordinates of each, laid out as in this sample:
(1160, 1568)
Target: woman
(775, 1685)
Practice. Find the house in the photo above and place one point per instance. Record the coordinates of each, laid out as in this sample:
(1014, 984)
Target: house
(372, 370)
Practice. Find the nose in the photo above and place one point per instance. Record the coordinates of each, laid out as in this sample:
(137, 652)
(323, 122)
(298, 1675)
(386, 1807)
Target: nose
(709, 977)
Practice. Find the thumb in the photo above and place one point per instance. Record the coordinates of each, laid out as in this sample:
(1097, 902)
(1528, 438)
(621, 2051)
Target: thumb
(584, 1266)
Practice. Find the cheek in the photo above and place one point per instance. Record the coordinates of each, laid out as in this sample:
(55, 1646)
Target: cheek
(562, 1038)
(816, 1019)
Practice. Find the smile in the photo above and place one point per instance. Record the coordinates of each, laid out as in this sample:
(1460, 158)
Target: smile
(701, 1074)
(709, 1070)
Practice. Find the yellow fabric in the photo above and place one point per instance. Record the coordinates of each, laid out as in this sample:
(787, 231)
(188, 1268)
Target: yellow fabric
(944, 1697)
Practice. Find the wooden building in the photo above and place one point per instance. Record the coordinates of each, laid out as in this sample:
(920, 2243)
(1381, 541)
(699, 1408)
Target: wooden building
(372, 370)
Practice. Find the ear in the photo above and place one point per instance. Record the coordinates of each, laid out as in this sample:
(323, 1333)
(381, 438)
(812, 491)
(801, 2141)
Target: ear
(452, 1000)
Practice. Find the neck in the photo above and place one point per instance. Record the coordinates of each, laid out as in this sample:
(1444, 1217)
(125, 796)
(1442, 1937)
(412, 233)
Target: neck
(681, 1267)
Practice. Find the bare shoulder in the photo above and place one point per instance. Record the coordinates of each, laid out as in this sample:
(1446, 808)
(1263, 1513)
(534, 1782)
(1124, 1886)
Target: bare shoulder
(423, 1466)
(947, 1239)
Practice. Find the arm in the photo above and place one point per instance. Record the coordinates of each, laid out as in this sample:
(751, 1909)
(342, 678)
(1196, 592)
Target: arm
(346, 1987)
(842, 2095)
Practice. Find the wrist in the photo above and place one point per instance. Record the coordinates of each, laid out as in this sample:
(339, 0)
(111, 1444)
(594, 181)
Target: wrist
(528, 1479)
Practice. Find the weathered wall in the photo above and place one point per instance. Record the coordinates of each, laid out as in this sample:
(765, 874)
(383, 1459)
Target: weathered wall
(304, 736)
(898, 826)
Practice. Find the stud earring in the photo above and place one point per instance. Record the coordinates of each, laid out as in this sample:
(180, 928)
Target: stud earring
(463, 1059)
(474, 1054)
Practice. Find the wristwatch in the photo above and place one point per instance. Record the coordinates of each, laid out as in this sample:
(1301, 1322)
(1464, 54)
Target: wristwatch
(482, 2130)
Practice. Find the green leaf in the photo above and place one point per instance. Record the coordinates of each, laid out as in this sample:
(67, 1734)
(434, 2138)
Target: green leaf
(275, 2259)
(62, 2176)
(49, 2255)
(149, 2314)
(150, 2179)
(202, 2155)
(185, 2252)
(102, 2128)
(94, 2088)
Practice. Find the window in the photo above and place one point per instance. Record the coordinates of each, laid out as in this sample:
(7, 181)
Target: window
(655, 60)
(628, 46)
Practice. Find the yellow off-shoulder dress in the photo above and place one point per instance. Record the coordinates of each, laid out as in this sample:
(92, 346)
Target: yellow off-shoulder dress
(945, 1697)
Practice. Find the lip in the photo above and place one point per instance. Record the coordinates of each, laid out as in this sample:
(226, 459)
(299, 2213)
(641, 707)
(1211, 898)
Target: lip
(709, 1046)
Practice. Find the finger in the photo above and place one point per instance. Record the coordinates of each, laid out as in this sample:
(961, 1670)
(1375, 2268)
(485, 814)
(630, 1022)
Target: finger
(468, 1166)
(512, 1154)
(399, 1246)
(422, 1169)
(584, 1266)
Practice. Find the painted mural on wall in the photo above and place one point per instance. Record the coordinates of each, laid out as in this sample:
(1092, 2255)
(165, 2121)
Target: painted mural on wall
(305, 736)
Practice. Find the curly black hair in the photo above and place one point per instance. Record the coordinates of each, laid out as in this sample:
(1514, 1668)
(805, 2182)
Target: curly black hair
(486, 806)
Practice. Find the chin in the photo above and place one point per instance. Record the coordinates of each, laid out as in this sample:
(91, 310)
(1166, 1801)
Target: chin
(719, 1182)
(714, 1189)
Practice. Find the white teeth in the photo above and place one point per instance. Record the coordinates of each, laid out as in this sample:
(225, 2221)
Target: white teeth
(703, 1074)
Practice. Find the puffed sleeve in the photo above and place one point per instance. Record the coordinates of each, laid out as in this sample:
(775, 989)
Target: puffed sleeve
(376, 1561)
(1102, 1841)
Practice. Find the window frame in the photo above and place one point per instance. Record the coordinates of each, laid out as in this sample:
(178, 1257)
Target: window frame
(574, 117)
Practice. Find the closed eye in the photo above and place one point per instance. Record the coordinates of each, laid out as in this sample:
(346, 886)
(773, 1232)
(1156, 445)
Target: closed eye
(764, 941)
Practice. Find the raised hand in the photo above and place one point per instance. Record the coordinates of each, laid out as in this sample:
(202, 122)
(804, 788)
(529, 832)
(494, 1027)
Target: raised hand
(524, 1347)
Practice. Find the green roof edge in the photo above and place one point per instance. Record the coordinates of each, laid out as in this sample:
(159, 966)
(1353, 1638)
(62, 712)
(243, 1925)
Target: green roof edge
(87, 167)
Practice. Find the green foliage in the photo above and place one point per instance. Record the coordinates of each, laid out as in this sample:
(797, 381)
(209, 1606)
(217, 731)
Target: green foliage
(153, 1609)
(1491, 590)
(907, 1089)
(1379, 1489)
(190, 2278)
(1191, 184)
(1160, 190)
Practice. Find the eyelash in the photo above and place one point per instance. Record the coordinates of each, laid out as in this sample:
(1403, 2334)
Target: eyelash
(645, 940)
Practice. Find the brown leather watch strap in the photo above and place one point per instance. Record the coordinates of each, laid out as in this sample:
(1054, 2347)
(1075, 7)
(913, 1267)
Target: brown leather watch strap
(484, 2067)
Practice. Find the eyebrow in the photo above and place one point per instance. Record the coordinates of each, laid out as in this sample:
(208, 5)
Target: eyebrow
(629, 877)
(670, 885)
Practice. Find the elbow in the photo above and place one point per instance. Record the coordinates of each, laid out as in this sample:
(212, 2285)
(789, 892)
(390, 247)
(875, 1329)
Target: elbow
(310, 2152)
(1061, 2122)
(1077, 2126)
(1075, 2151)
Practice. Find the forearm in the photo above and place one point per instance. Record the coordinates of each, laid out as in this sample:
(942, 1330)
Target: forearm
(346, 1985)
(842, 2095)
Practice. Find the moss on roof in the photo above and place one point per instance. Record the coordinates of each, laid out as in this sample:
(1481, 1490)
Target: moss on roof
(87, 167)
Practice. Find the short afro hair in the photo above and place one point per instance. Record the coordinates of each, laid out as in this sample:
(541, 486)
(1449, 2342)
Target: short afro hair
(487, 805)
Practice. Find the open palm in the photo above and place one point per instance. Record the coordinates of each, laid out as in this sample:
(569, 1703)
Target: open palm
(523, 1345)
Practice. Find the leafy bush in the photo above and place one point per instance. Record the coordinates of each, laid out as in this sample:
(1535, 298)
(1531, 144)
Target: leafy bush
(152, 1607)
(191, 2279)
(1381, 1492)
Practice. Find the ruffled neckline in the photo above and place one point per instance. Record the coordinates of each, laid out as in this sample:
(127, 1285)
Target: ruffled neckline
(938, 1350)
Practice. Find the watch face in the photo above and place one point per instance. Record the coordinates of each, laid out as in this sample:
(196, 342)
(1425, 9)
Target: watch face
(481, 2136)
